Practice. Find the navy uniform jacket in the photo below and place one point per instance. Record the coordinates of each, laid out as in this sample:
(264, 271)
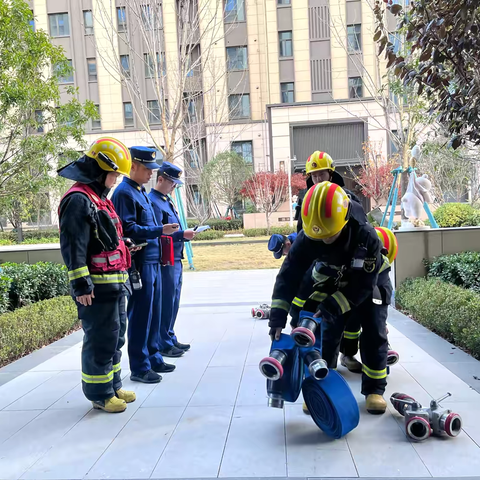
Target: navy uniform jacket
(166, 212)
(138, 220)
(344, 286)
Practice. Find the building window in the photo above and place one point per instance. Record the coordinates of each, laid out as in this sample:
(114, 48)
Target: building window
(88, 22)
(125, 65)
(234, 11)
(97, 124)
(284, 2)
(153, 112)
(197, 196)
(245, 150)
(68, 78)
(39, 120)
(237, 58)
(149, 66)
(92, 69)
(128, 114)
(355, 87)
(121, 20)
(239, 106)
(59, 26)
(286, 46)
(152, 17)
(354, 37)
(191, 111)
(288, 92)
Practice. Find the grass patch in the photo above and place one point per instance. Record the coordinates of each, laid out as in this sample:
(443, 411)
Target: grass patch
(234, 256)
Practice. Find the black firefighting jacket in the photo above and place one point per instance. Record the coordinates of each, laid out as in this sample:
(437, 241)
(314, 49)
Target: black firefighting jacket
(79, 225)
(345, 272)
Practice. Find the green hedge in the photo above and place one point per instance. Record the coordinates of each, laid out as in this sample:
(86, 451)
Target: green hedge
(32, 327)
(5, 283)
(261, 232)
(452, 312)
(33, 283)
(457, 215)
(31, 236)
(219, 224)
(462, 269)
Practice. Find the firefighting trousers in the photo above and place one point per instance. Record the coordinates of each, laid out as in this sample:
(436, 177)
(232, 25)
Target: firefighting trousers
(104, 324)
(144, 315)
(373, 340)
(351, 335)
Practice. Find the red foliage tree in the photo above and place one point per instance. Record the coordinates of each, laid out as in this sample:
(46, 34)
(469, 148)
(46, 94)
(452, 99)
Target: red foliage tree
(268, 190)
(375, 177)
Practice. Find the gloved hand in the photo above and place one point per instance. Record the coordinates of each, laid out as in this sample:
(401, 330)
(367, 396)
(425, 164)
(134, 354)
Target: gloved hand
(275, 333)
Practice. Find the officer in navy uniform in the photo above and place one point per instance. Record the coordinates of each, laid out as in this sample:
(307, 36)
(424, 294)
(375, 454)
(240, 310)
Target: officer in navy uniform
(144, 306)
(168, 178)
(280, 245)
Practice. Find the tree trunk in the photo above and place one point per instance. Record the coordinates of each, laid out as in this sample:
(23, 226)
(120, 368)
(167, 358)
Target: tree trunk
(17, 222)
(267, 217)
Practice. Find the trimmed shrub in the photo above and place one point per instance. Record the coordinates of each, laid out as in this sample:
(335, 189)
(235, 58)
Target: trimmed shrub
(32, 283)
(262, 232)
(4, 292)
(452, 312)
(219, 224)
(457, 215)
(462, 269)
(32, 236)
(34, 326)
(213, 234)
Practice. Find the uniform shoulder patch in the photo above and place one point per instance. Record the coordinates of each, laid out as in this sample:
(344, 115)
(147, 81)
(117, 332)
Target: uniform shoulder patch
(369, 264)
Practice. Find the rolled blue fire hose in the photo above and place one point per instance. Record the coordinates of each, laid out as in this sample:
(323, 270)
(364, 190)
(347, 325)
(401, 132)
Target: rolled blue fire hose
(331, 404)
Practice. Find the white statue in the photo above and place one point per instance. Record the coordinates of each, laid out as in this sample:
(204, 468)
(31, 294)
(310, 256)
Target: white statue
(418, 192)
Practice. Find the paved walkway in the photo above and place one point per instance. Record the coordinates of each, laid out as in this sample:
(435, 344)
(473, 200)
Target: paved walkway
(209, 418)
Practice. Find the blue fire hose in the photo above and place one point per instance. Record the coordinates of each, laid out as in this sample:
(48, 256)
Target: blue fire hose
(329, 399)
(331, 404)
(290, 385)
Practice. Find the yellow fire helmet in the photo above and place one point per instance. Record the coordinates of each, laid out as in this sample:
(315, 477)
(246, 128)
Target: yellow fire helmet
(319, 161)
(111, 154)
(324, 210)
(389, 241)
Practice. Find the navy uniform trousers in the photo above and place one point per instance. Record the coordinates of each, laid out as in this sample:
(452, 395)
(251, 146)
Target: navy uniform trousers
(144, 311)
(172, 288)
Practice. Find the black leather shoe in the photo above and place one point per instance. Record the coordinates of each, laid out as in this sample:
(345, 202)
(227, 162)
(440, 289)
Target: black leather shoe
(182, 346)
(173, 352)
(146, 377)
(164, 368)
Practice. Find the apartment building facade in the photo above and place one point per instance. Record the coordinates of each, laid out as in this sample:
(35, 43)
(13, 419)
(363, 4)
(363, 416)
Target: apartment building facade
(293, 76)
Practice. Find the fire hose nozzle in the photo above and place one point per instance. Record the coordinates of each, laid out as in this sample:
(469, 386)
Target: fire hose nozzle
(271, 367)
(317, 366)
(304, 334)
(275, 401)
(451, 423)
(418, 428)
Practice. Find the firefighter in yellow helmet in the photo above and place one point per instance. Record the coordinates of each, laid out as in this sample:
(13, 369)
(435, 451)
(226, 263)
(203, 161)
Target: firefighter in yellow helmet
(97, 257)
(351, 278)
(320, 168)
